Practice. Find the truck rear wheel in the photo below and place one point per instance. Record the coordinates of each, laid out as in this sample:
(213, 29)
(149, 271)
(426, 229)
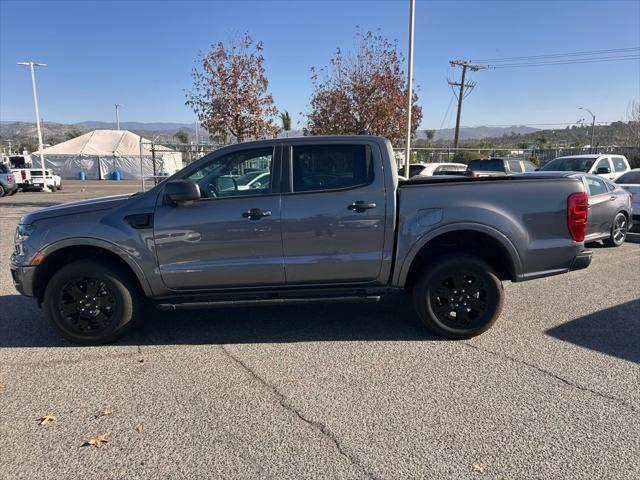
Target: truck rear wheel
(459, 296)
(90, 303)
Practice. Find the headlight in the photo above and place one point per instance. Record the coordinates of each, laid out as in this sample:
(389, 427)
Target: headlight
(22, 233)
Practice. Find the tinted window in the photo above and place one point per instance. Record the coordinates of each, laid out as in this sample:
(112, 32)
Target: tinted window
(514, 166)
(329, 167)
(629, 177)
(596, 186)
(4, 168)
(486, 166)
(569, 164)
(243, 173)
(413, 170)
(618, 164)
(528, 166)
(602, 163)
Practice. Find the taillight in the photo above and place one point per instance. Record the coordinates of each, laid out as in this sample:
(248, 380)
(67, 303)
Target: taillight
(10, 178)
(577, 213)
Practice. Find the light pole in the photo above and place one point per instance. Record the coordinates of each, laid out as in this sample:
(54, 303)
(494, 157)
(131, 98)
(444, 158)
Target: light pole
(35, 102)
(117, 105)
(593, 126)
(412, 9)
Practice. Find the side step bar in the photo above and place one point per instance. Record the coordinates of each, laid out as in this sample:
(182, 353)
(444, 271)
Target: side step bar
(265, 301)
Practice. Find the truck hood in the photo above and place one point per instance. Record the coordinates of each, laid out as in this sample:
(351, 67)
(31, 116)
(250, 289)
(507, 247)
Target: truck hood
(75, 208)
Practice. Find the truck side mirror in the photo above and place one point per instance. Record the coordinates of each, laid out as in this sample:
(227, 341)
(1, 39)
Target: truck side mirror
(603, 170)
(181, 191)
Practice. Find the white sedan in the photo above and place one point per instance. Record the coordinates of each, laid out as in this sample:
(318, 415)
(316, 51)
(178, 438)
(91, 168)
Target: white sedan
(431, 169)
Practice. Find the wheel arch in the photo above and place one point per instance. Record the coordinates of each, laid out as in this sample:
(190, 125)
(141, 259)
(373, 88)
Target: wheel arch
(479, 240)
(63, 252)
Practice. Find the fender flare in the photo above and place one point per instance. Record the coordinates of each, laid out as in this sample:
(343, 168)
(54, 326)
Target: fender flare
(100, 243)
(497, 235)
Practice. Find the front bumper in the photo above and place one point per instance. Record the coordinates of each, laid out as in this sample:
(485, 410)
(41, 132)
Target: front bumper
(23, 279)
(582, 260)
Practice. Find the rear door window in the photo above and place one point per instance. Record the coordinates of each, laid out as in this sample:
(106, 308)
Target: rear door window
(514, 166)
(596, 186)
(331, 167)
(619, 164)
(486, 166)
(630, 177)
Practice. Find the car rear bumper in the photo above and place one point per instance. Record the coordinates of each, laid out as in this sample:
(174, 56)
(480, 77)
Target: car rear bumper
(23, 279)
(10, 188)
(582, 260)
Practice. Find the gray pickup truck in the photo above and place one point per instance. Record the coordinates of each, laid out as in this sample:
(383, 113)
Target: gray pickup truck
(328, 221)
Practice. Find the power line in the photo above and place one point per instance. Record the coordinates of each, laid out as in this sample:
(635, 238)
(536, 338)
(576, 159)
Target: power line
(564, 62)
(559, 55)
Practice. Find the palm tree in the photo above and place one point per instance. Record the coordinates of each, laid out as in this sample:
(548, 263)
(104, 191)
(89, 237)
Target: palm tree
(286, 120)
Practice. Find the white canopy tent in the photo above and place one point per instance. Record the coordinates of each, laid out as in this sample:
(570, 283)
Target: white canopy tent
(101, 153)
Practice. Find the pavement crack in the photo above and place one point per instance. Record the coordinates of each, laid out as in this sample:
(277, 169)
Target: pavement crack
(284, 403)
(567, 382)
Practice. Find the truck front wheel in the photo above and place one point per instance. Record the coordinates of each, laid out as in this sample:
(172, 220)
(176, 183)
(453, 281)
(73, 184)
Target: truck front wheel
(90, 303)
(459, 296)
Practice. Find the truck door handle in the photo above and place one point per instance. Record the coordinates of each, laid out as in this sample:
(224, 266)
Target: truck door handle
(612, 197)
(256, 214)
(361, 206)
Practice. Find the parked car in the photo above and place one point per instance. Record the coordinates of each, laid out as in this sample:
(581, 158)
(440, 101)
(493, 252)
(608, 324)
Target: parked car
(608, 166)
(255, 179)
(8, 184)
(20, 167)
(336, 226)
(436, 168)
(38, 182)
(630, 181)
(609, 216)
(495, 167)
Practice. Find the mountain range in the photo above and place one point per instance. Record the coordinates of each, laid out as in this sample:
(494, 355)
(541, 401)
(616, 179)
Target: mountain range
(166, 130)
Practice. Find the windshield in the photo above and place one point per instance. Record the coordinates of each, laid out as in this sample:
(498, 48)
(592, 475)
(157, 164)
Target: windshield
(630, 177)
(486, 166)
(575, 164)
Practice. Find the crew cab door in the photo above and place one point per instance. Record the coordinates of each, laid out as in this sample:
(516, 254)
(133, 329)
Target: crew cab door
(601, 208)
(333, 213)
(230, 237)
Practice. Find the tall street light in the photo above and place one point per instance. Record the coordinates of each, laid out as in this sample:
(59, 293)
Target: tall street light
(117, 105)
(412, 9)
(35, 102)
(593, 125)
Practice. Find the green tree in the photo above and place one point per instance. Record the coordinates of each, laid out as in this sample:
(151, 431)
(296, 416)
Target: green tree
(73, 133)
(430, 134)
(181, 136)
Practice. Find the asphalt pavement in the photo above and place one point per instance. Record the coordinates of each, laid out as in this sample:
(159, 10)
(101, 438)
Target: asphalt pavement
(330, 391)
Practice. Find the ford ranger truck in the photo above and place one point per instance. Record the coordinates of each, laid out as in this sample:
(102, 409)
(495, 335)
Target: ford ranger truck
(330, 222)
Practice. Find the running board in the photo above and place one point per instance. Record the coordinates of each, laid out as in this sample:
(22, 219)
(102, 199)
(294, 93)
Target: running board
(265, 301)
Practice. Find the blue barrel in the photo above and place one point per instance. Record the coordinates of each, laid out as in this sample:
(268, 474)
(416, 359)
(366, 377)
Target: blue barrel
(117, 176)
(82, 176)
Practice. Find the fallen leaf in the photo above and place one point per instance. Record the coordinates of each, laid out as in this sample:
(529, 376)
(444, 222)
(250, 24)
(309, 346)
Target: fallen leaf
(139, 428)
(104, 413)
(97, 440)
(476, 467)
(47, 419)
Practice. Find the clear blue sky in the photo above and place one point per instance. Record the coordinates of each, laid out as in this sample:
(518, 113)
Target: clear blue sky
(140, 54)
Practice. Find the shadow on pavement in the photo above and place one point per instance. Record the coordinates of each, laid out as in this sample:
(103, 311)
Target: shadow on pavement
(23, 324)
(614, 331)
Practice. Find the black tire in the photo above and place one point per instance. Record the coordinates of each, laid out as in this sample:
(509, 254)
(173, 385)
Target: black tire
(618, 231)
(91, 303)
(2, 192)
(459, 296)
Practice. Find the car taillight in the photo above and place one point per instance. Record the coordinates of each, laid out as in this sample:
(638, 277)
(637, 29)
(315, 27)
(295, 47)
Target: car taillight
(10, 178)
(577, 213)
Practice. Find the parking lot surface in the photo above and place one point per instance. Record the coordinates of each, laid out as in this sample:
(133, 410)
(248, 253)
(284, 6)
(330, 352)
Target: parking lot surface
(335, 391)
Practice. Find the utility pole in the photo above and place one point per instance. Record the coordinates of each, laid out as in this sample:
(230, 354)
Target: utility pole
(593, 127)
(412, 8)
(31, 64)
(465, 89)
(117, 105)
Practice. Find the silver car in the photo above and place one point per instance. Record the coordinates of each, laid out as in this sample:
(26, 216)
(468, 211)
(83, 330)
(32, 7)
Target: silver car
(609, 217)
(630, 181)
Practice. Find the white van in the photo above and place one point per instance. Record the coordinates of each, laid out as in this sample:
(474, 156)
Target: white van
(607, 165)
